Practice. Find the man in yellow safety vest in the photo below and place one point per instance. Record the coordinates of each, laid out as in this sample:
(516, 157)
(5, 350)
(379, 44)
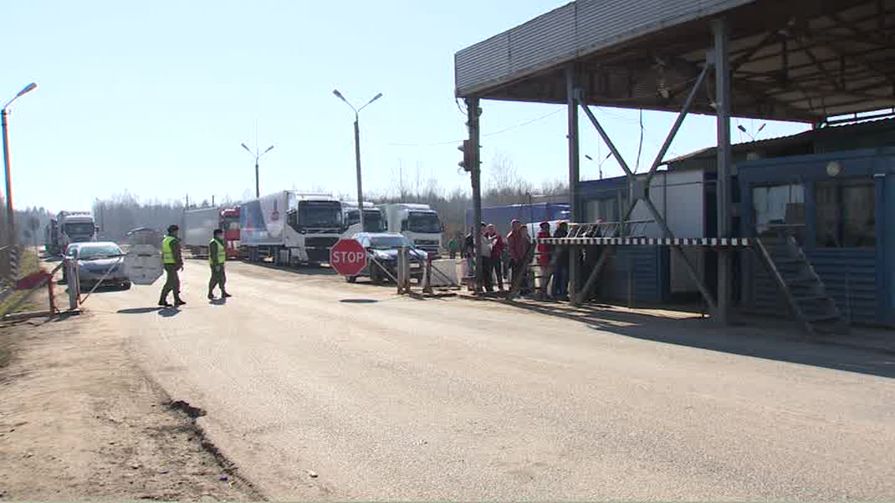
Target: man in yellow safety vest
(217, 255)
(172, 259)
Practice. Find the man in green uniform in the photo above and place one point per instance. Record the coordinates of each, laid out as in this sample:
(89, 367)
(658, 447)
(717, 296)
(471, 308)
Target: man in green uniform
(173, 262)
(217, 255)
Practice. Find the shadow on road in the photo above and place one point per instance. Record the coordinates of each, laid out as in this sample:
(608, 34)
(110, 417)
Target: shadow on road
(218, 302)
(359, 301)
(168, 312)
(138, 310)
(766, 342)
(308, 270)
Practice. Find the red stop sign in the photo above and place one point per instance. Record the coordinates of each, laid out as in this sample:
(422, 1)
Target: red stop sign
(348, 257)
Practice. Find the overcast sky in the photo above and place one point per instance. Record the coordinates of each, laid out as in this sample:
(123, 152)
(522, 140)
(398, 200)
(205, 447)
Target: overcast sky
(154, 98)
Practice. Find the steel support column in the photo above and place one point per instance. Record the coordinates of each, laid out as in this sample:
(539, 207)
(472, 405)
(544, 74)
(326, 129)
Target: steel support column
(640, 191)
(473, 112)
(574, 169)
(723, 197)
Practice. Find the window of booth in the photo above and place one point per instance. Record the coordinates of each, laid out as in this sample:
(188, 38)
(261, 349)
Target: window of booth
(607, 208)
(846, 214)
(779, 205)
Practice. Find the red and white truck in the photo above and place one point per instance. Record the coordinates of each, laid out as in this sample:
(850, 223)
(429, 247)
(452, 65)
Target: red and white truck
(199, 225)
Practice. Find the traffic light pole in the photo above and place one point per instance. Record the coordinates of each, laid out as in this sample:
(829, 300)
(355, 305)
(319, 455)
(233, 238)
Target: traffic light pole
(472, 154)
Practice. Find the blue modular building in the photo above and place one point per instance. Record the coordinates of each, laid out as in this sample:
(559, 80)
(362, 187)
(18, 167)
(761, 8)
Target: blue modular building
(841, 206)
(834, 187)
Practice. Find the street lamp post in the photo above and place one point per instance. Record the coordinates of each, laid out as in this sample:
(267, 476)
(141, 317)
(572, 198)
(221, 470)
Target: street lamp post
(360, 189)
(258, 155)
(599, 163)
(10, 217)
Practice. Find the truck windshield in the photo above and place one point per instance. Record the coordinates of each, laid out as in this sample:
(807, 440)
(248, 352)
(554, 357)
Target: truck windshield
(373, 221)
(230, 223)
(79, 229)
(319, 214)
(423, 222)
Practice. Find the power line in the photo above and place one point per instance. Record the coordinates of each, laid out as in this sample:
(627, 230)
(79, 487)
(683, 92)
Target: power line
(485, 135)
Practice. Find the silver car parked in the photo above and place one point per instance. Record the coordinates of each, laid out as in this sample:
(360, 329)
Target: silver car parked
(100, 261)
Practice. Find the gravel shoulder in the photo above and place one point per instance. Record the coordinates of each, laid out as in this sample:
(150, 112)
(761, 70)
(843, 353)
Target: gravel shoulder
(79, 420)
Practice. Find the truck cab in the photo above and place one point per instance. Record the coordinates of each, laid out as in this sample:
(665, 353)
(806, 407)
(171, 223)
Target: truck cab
(374, 219)
(419, 222)
(75, 227)
(230, 226)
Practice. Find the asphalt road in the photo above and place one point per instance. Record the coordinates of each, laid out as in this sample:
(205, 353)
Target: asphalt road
(320, 389)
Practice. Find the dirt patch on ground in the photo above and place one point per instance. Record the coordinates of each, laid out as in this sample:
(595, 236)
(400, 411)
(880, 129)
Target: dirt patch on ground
(79, 420)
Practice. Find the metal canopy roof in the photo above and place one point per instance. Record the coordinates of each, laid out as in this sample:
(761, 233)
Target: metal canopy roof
(799, 60)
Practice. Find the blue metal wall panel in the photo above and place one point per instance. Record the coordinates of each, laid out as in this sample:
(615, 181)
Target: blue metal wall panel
(849, 274)
(636, 273)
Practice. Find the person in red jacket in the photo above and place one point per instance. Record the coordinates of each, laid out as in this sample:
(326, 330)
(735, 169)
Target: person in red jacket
(497, 246)
(519, 243)
(544, 253)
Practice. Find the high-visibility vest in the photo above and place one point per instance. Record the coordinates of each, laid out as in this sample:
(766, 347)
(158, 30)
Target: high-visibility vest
(221, 253)
(168, 250)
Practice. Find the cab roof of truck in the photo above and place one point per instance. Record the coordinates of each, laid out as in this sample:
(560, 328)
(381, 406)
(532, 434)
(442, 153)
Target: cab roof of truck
(305, 196)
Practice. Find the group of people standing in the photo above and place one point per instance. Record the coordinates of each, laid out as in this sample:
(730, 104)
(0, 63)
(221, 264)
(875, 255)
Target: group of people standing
(513, 251)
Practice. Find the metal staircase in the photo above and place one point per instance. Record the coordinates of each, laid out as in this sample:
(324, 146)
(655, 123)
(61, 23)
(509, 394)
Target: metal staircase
(803, 289)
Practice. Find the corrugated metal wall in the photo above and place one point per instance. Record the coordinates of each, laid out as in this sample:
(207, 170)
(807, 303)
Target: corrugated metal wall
(850, 276)
(638, 274)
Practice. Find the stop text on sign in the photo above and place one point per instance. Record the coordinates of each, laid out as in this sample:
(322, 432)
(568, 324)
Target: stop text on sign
(347, 257)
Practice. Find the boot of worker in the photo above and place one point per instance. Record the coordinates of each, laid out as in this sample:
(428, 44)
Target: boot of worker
(163, 302)
(225, 295)
(210, 295)
(178, 301)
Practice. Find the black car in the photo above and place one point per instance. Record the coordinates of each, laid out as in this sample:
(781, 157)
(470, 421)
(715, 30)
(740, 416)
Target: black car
(382, 252)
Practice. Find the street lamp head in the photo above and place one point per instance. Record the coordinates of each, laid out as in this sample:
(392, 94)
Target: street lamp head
(30, 87)
(268, 149)
(589, 158)
(371, 101)
(741, 128)
(247, 148)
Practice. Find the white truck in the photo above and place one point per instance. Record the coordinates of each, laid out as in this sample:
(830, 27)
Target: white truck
(197, 229)
(374, 219)
(290, 227)
(70, 227)
(419, 222)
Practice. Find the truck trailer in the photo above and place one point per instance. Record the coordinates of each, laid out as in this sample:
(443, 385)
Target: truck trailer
(291, 228)
(199, 225)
